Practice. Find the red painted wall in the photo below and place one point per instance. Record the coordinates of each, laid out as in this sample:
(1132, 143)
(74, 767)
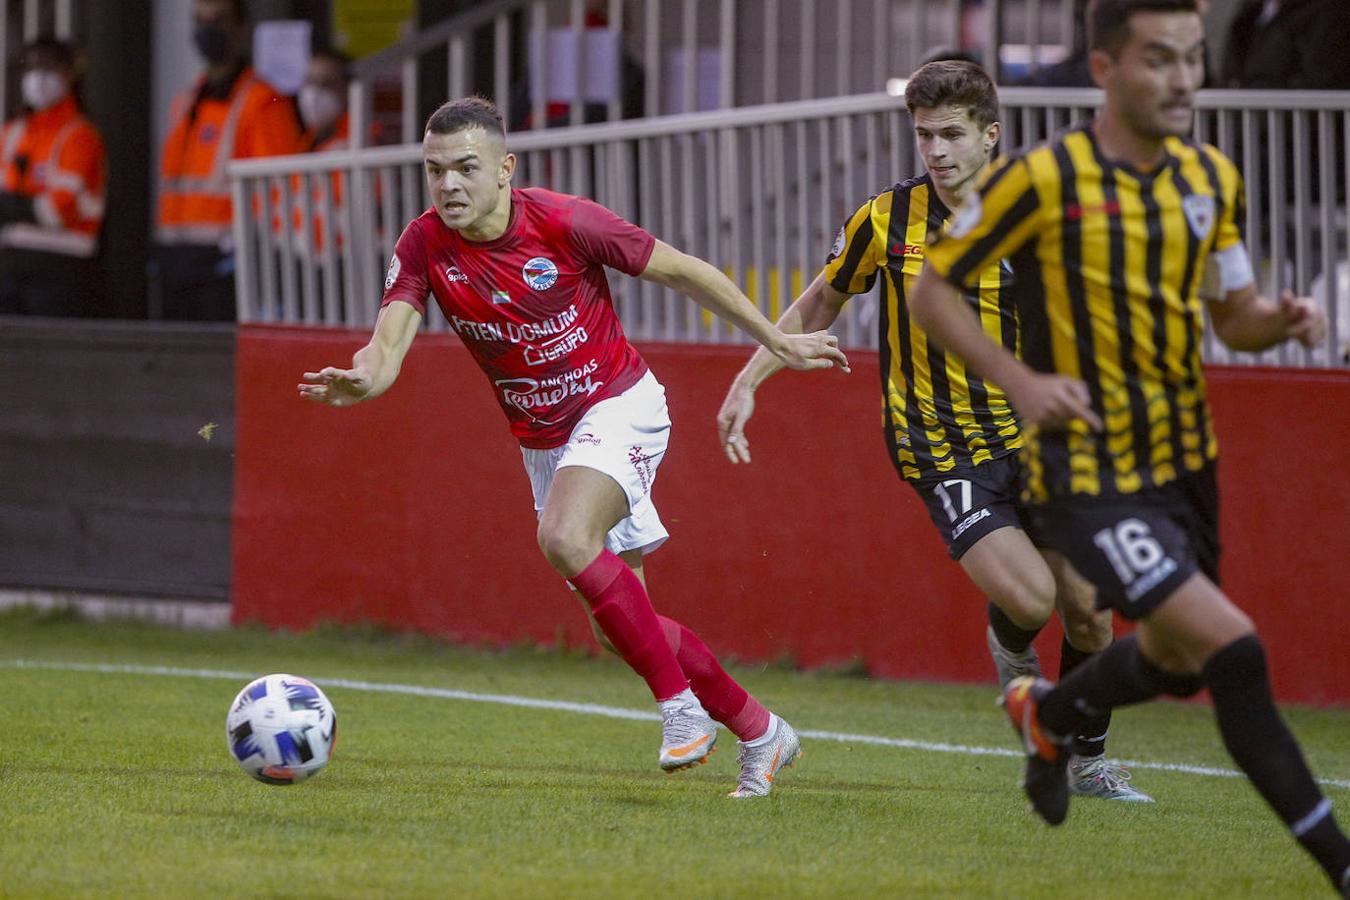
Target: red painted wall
(414, 512)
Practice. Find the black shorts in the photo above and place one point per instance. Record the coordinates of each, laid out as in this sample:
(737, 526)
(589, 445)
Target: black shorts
(1137, 549)
(968, 503)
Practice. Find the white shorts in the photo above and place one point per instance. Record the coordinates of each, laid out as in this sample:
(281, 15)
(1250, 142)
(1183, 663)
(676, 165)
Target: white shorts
(624, 437)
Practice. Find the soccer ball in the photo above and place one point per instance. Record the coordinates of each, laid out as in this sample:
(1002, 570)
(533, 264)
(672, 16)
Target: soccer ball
(281, 729)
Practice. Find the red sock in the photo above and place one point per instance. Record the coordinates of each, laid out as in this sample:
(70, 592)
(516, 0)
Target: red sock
(624, 613)
(724, 699)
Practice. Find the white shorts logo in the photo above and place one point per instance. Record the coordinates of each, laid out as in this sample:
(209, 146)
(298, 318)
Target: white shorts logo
(540, 273)
(394, 268)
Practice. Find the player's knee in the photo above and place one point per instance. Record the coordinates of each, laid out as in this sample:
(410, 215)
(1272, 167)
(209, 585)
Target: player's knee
(566, 550)
(1087, 631)
(1027, 599)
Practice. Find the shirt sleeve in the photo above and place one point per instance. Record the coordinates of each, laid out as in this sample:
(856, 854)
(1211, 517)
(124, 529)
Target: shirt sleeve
(75, 190)
(1233, 214)
(855, 258)
(991, 225)
(606, 238)
(407, 279)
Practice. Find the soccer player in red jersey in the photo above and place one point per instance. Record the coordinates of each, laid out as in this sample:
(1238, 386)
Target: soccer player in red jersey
(519, 275)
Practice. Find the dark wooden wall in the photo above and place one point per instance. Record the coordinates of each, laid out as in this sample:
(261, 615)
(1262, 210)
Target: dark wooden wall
(106, 484)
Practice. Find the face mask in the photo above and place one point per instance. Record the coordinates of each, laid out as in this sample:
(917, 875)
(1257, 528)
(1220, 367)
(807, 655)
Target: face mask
(43, 88)
(319, 107)
(213, 43)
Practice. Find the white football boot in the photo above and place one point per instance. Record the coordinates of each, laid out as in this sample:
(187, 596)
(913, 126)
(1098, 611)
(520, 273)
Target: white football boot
(762, 760)
(688, 733)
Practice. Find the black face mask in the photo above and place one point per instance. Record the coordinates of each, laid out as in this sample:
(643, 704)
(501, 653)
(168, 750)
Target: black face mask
(213, 43)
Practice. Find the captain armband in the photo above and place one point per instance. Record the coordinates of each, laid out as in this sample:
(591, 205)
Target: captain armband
(1226, 271)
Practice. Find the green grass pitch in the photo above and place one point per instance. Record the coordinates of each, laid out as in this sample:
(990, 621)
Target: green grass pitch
(118, 784)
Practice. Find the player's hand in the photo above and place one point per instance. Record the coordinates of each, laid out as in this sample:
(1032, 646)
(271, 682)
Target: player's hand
(337, 387)
(737, 408)
(1053, 401)
(1305, 320)
(817, 350)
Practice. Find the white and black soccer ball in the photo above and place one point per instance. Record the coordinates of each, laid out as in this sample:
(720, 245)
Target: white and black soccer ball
(281, 729)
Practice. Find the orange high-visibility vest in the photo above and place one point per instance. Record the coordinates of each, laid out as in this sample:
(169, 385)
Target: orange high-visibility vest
(195, 206)
(56, 157)
(339, 140)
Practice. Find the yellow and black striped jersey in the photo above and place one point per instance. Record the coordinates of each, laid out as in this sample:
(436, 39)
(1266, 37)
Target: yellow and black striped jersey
(1109, 262)
(938, 415)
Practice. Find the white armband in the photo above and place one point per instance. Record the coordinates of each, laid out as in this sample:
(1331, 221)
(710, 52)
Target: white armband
(1235, 269)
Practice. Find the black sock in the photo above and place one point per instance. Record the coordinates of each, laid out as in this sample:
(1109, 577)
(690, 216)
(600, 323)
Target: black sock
(1091, 737)
(1263, 747)
(1013, 638)
(1118, 676)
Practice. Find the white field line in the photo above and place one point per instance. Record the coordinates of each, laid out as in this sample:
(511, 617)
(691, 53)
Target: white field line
(595, 709)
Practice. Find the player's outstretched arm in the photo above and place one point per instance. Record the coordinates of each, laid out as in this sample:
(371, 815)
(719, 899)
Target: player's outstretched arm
(374, 367)
(1040, 399)
(712, 290)
(815, 310)
(1248, 322)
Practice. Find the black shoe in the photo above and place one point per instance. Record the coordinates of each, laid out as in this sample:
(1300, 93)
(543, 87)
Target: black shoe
(1047, 786)
(1046, 779)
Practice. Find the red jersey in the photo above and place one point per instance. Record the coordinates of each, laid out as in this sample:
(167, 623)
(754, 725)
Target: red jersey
(532, 306)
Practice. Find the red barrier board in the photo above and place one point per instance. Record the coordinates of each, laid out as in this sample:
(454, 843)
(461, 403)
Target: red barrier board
(414, 512)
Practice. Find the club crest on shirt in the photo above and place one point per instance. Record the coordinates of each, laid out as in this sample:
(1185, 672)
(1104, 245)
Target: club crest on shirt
(539, 273)
(1199, 210)
(839, 241)
(394, 268)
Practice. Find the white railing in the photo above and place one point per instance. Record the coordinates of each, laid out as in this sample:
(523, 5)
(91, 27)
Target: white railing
(760, 192)
(691, 55)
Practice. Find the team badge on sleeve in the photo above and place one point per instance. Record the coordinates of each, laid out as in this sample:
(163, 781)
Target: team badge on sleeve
(394, 268)
(540, 273)
(839, 241)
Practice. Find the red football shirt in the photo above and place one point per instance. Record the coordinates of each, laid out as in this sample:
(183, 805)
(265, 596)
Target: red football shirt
(532, 306)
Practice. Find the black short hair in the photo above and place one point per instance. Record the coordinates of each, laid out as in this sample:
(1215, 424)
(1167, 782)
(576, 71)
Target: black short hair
(948, 82)
(52, 50)
(467, 112)
(950, 54)
(342, 59)
(1109, 20)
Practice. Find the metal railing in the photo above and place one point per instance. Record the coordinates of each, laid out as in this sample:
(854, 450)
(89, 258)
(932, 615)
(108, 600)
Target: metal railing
(760, 192)
(691, 55)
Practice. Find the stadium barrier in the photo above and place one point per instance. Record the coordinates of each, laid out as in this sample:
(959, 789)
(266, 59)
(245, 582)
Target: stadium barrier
(764, 190)
(634, 58)
(414, 512)
(116, 458)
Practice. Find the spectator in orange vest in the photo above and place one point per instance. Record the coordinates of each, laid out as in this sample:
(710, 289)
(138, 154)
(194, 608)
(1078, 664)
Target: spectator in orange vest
(53, 174)
(323, 102)
(228, 114)
(323, 112)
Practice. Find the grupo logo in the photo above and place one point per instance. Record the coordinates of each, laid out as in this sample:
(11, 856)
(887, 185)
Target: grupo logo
(540, 273)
